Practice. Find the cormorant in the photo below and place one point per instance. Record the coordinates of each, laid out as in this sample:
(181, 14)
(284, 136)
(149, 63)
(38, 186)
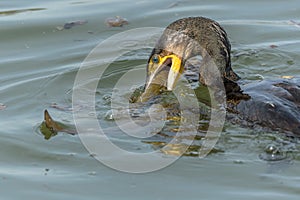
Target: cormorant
(274, 104)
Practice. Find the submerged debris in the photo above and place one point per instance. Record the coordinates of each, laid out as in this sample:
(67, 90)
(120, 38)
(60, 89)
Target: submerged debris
(69, 25)
(116, 22)
(74, 23)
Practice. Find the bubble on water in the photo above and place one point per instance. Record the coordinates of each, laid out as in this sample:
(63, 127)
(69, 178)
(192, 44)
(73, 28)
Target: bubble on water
(273, 152)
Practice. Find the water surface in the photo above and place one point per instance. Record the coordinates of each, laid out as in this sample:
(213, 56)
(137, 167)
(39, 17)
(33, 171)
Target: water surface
(38, 66)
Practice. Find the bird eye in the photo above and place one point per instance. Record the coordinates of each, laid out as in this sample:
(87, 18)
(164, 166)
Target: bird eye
(156, 59)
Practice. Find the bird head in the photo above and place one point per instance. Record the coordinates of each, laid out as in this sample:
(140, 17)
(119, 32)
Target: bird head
(182, 40)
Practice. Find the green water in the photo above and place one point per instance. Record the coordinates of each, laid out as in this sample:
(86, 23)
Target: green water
(38, 66)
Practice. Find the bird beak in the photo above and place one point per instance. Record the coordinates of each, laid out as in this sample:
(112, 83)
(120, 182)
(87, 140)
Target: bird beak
(174, 72)
(167, 72)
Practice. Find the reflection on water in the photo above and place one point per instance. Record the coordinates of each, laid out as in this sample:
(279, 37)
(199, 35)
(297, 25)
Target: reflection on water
(13, 12)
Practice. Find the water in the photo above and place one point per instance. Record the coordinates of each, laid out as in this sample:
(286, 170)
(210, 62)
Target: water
(39, 63)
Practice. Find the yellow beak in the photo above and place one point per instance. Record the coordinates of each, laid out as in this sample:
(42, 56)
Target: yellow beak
(173, 73)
